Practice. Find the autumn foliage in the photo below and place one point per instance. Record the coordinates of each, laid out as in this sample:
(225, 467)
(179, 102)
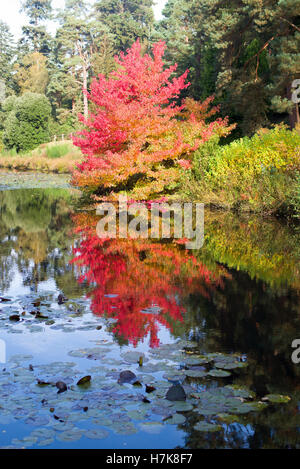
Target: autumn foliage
(138, 138)
(141, 284)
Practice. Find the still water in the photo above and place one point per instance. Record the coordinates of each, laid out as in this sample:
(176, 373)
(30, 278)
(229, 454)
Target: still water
(218, 322)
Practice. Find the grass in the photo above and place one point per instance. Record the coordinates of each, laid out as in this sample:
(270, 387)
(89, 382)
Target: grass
(58, 157)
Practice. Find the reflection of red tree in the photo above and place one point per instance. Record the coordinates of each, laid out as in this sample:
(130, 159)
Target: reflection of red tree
(137, 275)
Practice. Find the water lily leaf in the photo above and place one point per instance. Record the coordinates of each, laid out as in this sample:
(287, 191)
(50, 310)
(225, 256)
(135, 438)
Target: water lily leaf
(70, 435)
(207, 427)
(134, 357)
(124, 429)
(182, 406)
(137, 414)
(46, 442)
(84, 381)
(230, 365)
(195, 373)
(197, 360)
(277, 398)
(176, 419)
(96, 434)
(151, 427)
(241, 391)
(228, 418)
(219, 373)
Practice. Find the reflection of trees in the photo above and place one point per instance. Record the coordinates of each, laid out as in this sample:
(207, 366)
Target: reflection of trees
(239, 293)
(139, 283)
(6, 261)
(255, 310)
(266, 249)
(35, 226)
(256, 313)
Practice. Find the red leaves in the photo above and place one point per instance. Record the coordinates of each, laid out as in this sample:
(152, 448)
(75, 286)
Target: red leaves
(140, 283)
(137, 128)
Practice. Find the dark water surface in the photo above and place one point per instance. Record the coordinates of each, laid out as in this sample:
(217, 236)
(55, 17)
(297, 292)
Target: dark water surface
(219, 321)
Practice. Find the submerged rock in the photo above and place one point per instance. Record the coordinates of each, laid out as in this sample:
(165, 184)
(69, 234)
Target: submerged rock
(14, 317)
(61, 299)
(127, 376)
(176, 393)
(61, 386)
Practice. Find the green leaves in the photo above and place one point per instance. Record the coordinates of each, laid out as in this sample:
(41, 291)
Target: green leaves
(26, 126)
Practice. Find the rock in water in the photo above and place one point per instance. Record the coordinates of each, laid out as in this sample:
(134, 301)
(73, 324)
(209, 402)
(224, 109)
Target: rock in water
(61, 299)
(61, 386)
(176, 393)
(126, 377)
(14, 317)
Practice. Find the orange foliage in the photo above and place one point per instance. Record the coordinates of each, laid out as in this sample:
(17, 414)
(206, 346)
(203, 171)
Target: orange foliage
(140, 283)
(138, 138)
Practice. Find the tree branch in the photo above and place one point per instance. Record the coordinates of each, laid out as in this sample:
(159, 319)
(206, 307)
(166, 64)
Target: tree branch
(261, 50)
(291, 24)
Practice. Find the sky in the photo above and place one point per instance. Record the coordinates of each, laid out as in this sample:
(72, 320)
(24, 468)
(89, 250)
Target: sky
(10, 13)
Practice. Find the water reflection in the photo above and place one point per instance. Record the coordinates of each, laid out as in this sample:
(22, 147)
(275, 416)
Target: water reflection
(239, 293)
(36, 239)
(140, 283)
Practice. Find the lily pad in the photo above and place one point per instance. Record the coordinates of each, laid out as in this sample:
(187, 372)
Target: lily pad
(207, 427)
(195, 373)
(96, 434)
(219, 373)
(176, 419)
(277, 398)
(151, 427)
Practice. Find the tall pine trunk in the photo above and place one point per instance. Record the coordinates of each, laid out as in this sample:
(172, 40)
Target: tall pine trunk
(85, 99)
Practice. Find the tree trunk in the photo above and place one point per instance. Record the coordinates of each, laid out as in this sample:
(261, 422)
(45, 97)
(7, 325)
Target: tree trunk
(295, 117)
(85, 99)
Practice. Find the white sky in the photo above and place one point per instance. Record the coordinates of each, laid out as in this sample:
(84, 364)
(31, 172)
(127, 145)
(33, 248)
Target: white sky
(10, 13)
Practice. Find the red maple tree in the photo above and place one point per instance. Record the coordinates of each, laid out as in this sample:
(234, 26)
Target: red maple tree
(138, 138)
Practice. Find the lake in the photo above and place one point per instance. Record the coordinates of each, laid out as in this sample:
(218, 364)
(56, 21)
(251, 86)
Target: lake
(216, 324)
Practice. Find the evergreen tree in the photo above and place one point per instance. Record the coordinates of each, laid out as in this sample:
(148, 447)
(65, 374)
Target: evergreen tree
(75, 45)
(35, 37)
(245, 51)
(7, 51)
(127, 20)
(27, 121)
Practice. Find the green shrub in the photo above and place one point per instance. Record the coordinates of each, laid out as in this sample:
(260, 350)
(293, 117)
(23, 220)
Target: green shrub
(295, 199)
(59, 150)
(66, 125)
(27, 123)
(255, 174)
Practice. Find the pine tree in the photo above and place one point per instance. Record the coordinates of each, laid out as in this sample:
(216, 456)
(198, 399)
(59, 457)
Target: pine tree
(75, 46)
(127, 20)
(245, 51)
(35, 37)
(7, 51)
